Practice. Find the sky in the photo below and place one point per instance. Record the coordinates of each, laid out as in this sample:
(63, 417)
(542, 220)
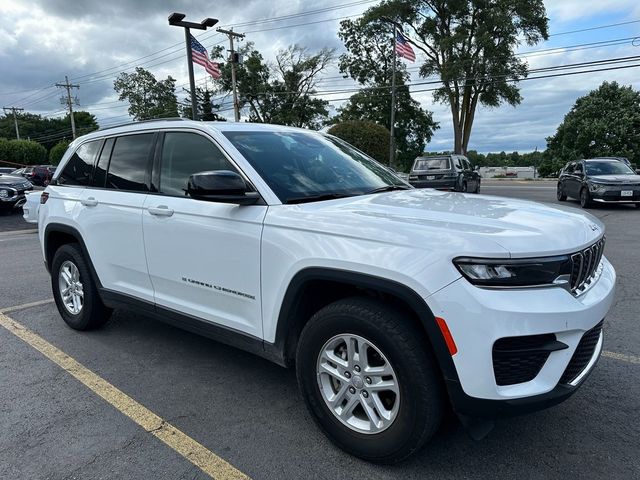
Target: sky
(91, 42)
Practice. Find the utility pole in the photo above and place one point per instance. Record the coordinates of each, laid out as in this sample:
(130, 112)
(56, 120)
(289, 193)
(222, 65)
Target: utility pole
(177, 20)
(233, 58)
(15, 118)
(68, 101)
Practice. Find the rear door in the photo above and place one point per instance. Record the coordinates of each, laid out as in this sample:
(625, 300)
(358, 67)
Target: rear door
(203, 256)
(111, 214)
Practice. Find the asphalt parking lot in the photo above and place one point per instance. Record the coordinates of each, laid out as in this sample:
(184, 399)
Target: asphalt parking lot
(246, 414)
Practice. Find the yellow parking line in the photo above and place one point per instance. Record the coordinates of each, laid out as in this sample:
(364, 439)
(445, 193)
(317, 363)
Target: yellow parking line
(193, 451)
(622, 356)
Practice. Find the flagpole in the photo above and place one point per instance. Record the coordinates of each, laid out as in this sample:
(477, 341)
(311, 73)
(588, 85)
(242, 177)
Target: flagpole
(192, 82)
(393, 102)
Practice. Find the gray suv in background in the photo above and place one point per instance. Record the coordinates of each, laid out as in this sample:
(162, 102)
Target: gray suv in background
(445, 172)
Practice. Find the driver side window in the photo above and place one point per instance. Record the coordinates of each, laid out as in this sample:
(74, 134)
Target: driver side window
(184, 154)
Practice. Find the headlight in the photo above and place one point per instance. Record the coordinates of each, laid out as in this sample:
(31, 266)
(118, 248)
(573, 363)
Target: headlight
(4, 193)
(527, 272)
(595, 187)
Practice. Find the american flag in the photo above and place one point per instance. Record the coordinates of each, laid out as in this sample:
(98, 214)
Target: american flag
(201, 57)
(403, 48)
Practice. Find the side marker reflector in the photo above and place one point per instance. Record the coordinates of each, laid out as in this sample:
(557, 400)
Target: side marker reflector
(448, 338)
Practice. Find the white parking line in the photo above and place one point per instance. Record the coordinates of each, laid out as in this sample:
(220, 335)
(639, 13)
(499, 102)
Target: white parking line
(621, 356)
(18, 232)
(26, 305)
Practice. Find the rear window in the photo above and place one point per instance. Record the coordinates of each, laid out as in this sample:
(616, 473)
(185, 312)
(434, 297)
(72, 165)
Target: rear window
(129, 161)
(436, 163)
(78, 169)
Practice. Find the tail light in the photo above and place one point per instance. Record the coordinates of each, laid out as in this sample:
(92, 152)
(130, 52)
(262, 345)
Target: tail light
(44, 197)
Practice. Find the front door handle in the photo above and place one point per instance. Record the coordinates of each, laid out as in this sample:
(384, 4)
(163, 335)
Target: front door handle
(89, 202)
(161, 211)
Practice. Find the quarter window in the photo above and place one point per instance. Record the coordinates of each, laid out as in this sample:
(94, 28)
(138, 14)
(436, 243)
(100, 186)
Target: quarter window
(184, 154)
(129, 161)
(78, 169)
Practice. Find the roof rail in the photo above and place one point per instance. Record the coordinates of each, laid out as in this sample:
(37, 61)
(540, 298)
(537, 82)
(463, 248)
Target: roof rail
(145, 121)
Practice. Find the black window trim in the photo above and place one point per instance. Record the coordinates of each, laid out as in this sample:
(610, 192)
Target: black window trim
(157, 163)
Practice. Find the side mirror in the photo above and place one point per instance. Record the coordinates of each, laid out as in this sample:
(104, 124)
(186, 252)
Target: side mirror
(221, 186)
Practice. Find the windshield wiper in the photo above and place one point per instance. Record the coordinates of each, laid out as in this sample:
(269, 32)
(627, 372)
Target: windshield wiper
(388, 188)
(316, 198)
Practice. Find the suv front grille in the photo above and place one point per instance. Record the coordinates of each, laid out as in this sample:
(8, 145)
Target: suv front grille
(582, 355)
(520, 359)
(585, 266)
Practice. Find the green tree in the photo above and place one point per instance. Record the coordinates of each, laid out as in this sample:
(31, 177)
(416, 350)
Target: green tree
(371, 138)
(23, 152)
(204, 104)
(369, 61)
(282, 93)
(147, 97)
(605, 122)
(47, 131)
(470, 45)
(56, 153)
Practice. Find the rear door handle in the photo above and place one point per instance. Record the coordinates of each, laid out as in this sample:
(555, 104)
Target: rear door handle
(161, 211)
(89, 202)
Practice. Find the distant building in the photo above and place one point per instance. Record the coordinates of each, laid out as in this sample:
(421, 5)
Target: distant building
(508, 172)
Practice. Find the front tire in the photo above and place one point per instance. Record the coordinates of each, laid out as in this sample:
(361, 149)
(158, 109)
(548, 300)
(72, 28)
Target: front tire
(585, 198)
(478, 187)
(560, 194)
(368, 379)
(74, 291)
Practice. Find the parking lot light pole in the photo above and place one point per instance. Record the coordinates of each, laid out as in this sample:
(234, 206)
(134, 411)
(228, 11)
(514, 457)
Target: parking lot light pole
(177, 20)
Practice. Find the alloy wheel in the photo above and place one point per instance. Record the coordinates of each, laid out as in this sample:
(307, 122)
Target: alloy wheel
(358, 383)
(71, 289)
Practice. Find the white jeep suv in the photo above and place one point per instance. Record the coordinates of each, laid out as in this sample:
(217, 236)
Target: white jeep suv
(390, 301)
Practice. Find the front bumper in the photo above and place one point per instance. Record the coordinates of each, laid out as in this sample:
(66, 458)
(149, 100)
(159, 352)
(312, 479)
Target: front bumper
(477, 318)
(615, 196)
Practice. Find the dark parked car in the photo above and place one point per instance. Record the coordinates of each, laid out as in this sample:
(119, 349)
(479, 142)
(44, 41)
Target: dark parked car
(40, 174)
(6, 170)
(12, 192)
(445, 172)
(603, 180)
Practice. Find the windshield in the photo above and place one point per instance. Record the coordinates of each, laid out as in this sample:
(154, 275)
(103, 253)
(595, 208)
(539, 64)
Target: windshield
(301, 166)
(608, 168)
(440, 163)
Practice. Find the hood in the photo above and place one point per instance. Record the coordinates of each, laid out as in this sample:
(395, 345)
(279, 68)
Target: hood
(12, 180)
(469, 224)
(632, 179)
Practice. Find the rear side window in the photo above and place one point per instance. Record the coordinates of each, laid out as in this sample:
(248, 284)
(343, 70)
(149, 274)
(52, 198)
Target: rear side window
(78, 169)
(184, 154)
(129, 161)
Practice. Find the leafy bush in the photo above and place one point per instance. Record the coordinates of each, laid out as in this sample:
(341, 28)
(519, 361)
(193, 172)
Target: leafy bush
(57, 151)
(22, 151)
(371, 138)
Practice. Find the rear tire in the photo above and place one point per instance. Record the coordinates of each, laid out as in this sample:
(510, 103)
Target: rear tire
(478, 187)
(388, 337)
(75, 292)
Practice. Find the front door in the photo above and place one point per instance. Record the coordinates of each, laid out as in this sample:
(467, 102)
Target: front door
(203, 257)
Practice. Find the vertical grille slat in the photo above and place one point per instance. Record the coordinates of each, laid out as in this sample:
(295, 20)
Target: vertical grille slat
(585, 265)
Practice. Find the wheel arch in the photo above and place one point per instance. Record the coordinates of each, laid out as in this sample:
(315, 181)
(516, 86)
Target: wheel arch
(59, 234)
(314, 287)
